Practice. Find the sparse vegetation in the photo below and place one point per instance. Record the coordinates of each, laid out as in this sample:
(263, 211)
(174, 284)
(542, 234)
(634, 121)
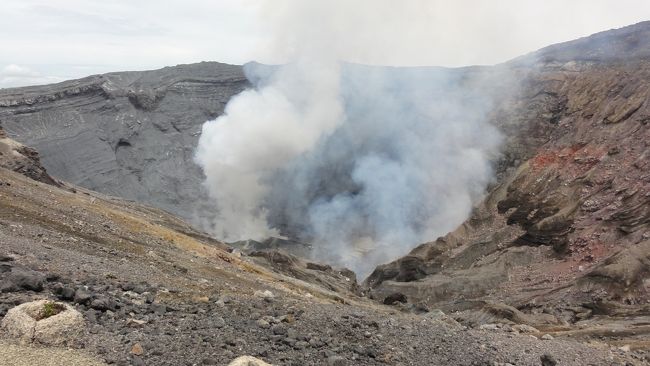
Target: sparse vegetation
(50, 309)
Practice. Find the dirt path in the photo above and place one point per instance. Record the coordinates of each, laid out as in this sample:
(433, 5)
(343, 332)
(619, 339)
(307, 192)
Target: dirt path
(15, 355)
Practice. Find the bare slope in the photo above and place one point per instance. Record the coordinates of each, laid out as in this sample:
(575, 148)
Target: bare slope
(130, 134)
(156, 292)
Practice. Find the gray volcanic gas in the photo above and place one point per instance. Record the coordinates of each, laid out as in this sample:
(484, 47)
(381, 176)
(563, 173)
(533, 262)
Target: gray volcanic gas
(363, 162)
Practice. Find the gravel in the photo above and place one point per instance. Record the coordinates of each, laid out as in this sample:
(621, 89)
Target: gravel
(138, 279)
(16, 355)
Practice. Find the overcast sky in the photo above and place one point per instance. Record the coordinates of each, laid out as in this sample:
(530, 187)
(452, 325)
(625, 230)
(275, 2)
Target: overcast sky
(44, 41)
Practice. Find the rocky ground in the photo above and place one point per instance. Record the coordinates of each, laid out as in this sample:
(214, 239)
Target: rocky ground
(156, 292)
(16, 355)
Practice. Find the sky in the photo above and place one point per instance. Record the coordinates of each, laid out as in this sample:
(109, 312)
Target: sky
(46, 41)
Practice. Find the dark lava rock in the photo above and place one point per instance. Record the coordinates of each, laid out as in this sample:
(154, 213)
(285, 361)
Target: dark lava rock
(548, 360)
(140, 288)
(64, 293)
(336, 361)
(219, 322)
(394, 298)
(159, 309)
(300, 345)
(6, 258)
(318, 266)
(103, 303)
(4, 309)
(127, 286)
(22, 280)
(82, 296)
(279, 329)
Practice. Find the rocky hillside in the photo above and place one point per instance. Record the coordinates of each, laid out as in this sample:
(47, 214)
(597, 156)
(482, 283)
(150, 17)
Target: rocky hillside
(564, 237)
(150, 290)
(128, 134)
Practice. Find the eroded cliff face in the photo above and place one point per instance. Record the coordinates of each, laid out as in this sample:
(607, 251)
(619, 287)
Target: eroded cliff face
(565, 234)
(128, 134)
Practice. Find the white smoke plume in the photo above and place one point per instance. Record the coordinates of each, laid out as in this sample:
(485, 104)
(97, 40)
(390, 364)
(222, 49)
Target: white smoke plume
(364, 162)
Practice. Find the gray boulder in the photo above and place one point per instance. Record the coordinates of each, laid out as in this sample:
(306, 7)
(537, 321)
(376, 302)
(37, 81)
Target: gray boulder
(21, 279)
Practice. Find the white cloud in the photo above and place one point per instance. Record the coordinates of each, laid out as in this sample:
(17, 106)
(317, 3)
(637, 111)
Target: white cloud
(15, 75)
(130, 35)
(14, 70)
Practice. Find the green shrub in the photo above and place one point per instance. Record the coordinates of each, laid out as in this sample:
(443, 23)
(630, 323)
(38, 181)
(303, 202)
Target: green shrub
(50, 309)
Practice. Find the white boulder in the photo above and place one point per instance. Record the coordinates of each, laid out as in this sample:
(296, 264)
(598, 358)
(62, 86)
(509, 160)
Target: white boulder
(27, 323)
(248, 361)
